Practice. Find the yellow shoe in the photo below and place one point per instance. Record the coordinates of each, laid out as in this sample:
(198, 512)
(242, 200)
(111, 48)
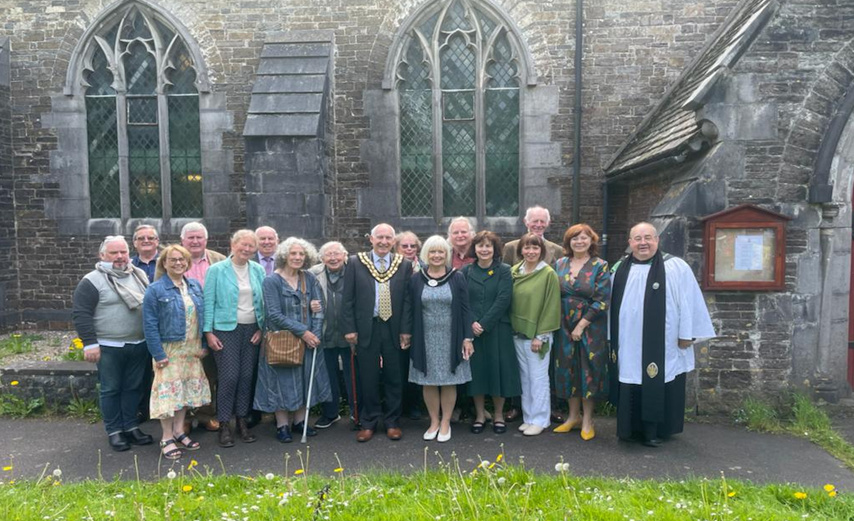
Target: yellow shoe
(567, 426)
(588, 435)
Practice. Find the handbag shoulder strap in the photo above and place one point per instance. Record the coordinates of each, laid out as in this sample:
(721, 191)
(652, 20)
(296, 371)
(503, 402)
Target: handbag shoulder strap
(304, 296)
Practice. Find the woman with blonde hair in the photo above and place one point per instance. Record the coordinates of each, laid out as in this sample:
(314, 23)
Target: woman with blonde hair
(172, 311)
(234, 320)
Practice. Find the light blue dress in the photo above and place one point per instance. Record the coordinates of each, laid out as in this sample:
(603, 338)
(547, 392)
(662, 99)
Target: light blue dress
(436, 305)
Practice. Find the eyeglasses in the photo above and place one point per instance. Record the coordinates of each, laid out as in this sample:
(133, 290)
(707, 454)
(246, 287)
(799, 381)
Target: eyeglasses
(150, 239)
(408, 246)
(180, 260)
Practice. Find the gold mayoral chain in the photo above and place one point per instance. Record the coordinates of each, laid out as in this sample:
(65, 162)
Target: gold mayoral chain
(385, 276)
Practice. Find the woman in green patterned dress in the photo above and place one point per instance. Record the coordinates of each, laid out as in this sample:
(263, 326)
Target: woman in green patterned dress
(581, 361)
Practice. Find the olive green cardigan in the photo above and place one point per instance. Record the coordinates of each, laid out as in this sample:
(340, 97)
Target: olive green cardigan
(536, 301)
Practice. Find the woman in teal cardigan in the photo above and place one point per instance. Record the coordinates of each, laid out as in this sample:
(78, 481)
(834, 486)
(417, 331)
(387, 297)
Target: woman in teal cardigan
(234, 322)
(534, 315)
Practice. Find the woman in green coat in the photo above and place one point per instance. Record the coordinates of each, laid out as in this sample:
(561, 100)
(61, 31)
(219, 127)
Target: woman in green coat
(494, 368)
(534, 315)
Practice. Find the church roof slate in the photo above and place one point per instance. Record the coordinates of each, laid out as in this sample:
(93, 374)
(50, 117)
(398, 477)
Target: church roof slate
(673, 126)
(291, 85)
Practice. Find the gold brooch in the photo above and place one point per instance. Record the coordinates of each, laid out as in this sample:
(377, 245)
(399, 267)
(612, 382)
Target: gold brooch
(652, 370)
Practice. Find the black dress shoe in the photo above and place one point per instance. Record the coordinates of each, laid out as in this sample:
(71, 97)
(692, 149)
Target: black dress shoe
(118, 443)
(137, 437)
(652, 442)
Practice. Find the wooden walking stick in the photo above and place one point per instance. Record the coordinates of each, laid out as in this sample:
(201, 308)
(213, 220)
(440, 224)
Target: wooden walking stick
(355, 410)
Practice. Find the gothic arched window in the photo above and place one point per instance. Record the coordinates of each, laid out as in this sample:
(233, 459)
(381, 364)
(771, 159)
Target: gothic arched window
(458, 81)
(142, 120)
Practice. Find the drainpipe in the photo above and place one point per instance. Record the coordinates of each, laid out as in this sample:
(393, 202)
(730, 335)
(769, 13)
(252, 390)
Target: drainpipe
(576, 159)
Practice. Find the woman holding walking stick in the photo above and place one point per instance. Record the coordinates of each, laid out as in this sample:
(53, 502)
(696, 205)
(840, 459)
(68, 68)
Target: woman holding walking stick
(287, 295)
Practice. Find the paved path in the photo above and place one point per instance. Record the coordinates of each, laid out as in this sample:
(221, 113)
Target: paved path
(702, 450)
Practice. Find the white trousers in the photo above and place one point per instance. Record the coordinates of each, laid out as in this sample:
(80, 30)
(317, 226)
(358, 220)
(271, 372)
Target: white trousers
(534, 372)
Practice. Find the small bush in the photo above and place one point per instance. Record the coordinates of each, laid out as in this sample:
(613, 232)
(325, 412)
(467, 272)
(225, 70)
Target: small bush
(84, 409)
(17, 344)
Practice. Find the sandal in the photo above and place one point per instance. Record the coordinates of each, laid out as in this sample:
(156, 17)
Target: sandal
(477, 427)
(170, 454)
(499, 427)
(188, 444)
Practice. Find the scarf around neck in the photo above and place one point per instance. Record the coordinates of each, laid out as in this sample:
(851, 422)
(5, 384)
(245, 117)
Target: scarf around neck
(131, 294)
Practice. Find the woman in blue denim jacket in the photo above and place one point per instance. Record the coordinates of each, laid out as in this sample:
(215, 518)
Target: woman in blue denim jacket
(283, 390)
(172, 311)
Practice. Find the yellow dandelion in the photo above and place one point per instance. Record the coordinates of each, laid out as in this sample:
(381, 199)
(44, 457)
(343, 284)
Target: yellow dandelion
(192, 464)
(829, 488)
(13, 382)
(500, 457)
(800, 495)
(832, 493)
(339, 469)
(16, 335)
(7, 468)
(297, 472)
(187, 488)
(731, 493)
(77, 343)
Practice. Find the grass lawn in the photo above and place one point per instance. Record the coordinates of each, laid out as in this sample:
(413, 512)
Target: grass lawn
(490, 491)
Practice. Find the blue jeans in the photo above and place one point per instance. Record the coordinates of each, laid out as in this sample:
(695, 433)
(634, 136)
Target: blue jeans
(120, 374)
(331, 354)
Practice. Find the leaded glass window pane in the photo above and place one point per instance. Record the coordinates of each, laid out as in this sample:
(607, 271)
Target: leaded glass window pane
(101, 121)
(140, 71)
(458, 65)
(458, 163)
(183, 77)
(185, 156)
(458, 105)
(144, 171)
(102, 136)
(456, 18)
(502, 152)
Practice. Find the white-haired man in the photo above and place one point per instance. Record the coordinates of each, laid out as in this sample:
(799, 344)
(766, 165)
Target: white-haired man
(107, 314)
(537, 220)
(194, 237)
(375, 287)
(268, 241)
(657, 312)
(460, 233)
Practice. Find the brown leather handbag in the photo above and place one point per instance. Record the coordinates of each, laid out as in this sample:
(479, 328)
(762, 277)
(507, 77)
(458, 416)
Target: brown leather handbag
(283, 348)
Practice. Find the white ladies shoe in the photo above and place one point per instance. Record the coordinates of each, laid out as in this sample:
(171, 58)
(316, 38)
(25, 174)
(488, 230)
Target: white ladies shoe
(442, 438)
(430, 435)
(532, 430)
(524, 427)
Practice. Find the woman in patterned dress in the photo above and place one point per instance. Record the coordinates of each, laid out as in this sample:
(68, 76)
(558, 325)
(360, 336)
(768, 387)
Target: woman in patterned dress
(172, 311)
(288, 293)
(581, 362)
(442, 340)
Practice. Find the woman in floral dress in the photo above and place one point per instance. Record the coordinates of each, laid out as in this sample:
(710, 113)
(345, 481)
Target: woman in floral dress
(581, 361)
(172, 309)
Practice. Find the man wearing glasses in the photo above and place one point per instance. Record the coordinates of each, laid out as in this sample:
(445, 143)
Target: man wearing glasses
(146, 242)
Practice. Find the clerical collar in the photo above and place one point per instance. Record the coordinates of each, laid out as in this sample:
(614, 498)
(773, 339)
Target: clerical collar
(636, 261)
(433, 282)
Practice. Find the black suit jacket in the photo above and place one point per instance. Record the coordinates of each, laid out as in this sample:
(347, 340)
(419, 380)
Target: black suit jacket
(357, 307)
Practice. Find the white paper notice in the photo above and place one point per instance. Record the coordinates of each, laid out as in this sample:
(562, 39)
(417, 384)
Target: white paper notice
(748, 252)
